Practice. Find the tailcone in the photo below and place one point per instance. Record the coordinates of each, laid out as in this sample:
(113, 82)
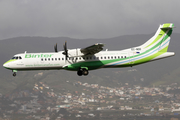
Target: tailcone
(164, 55)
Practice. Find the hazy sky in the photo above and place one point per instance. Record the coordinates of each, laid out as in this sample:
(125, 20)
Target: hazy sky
(85, 18)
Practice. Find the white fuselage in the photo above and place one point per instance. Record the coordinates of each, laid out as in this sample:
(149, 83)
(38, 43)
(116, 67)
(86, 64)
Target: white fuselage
(47, 61)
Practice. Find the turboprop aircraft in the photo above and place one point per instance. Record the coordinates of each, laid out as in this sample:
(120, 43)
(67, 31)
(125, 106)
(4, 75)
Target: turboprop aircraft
(83, 60)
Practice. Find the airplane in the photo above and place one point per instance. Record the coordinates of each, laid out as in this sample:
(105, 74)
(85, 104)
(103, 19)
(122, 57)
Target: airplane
(83, 60)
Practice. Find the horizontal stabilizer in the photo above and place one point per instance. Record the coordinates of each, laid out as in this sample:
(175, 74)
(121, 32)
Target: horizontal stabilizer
(167, 26)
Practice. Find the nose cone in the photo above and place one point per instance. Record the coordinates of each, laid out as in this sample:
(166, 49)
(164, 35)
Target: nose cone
(8, 64)
(5, 65)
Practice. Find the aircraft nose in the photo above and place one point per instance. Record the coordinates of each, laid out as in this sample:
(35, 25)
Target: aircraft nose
(5, 65)
(8, 64)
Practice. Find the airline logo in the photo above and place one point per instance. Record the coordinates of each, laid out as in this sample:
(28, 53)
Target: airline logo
(38, 55)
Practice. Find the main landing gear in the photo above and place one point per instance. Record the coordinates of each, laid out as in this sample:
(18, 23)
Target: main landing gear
(83, 71)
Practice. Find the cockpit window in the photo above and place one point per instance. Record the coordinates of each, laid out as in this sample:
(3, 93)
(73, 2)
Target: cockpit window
(17, 57)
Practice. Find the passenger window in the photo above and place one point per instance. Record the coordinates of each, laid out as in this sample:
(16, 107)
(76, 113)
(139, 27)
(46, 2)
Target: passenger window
(59, 59)
(121, 56)
(55, 58)
(97, 57)
(41, 59)
(118, 56)
(124, 56)
(115, 57)
(20, 57)
(104, 57)
(87, 58)
(101, 57)
(45, 59)
(108, 57)
(79, 58)
(49, 59)
(112, 57)
(52, 59)
(62, 58)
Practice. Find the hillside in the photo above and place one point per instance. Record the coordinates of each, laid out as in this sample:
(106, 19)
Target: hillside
(169, 78)
(145, 74)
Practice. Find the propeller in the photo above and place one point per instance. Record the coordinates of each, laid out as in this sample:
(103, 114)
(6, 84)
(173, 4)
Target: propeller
(65, 50)
(55, 48)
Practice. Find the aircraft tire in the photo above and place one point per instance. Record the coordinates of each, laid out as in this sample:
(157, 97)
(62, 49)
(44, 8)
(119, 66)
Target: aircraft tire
(85, 72)
(80, 72)
(14, 74)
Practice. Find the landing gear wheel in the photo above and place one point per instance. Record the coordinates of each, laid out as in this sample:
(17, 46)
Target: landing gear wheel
(85, 72)
(80, 72)
(14, 74)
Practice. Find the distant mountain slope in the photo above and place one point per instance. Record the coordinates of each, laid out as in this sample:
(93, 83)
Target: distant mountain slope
(169, 78)
(150, 71)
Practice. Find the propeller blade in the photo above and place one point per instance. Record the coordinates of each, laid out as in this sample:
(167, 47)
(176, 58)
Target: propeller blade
(65, 47)
(55, 48)
(65, 50)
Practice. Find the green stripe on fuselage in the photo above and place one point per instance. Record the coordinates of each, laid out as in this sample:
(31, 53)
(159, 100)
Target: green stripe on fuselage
(10, 61)
(146, 59)
(91, 64)
(97, 64)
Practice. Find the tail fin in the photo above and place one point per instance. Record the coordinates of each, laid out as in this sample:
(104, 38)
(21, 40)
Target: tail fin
(161, 38)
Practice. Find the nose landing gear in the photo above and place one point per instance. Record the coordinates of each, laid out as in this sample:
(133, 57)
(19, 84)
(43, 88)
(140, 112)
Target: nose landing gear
(14, 72)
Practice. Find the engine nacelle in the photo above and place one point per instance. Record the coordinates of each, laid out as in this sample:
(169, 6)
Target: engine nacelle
(75, 53)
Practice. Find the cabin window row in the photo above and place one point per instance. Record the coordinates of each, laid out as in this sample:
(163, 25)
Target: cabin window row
(48, 59)
(85, 58)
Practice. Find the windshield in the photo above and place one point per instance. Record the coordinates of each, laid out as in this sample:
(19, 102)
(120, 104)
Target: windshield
(17, 57)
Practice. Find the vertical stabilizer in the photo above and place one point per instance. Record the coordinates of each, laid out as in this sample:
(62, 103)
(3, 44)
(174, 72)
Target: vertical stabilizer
(161, 38)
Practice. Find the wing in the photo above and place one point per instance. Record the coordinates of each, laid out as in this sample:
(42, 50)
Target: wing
(93, 49)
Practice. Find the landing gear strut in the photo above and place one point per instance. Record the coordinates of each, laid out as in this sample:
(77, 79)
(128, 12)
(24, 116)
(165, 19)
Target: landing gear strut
(82, 71)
